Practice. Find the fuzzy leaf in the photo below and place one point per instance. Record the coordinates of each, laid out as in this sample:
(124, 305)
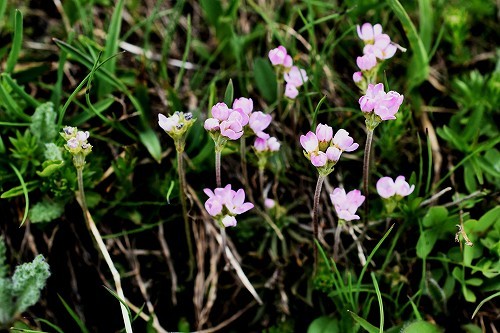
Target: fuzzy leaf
(43, 123)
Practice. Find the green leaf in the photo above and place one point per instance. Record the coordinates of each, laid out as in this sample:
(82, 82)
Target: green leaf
(476, 282)
(17, 41)
(324, 324)
(46, 211)
(229, 94)
(149, 139)
(212, 10)
(426, 242)
(435, 216)
(468, 294)
(18, 190)
(265, 79)
(365, 324)
(43, 123)
(471, 328)
(421, 327)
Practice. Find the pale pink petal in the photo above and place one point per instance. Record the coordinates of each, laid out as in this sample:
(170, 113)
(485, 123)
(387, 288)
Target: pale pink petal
(385, 187)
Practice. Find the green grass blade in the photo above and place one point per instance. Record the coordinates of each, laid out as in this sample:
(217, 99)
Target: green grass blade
(3, 7)
(426, 22)
(187, 49)
(380, 304)
(419, 71)
(120, 300)
(25, 192)
(13, 329)
(20, 91)
(48, 323)
(73, 315)
(368, 260)
(364, 323)
(111, 47)
(16, 42)
(316, 110)
(487, 299)
(11, 105)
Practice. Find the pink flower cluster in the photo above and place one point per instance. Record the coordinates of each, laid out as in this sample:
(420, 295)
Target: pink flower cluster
(293, 76)
(378, 47)
(266, 145)
(346, 204)
(224, 204)
(385, 105)
(387, 188)
(231, 122)
(323, 148)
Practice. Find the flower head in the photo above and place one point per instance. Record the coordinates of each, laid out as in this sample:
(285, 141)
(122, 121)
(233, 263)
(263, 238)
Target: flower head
(296, 76)
(224, 204)
(243, 104)
(387, 188)
(291, 91)
(382, 48)
(366, 62)
(258, 122)
(346, 204)
(176, 125)
(368, 32)
(270, 144)
(376, 101)
(279, 57)
(323, 148)
(357, 77)
(220, 111)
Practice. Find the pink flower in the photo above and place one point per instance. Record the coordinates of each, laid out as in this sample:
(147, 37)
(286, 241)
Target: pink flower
(258, 122)
(244, 104)
(382, 48)
(324, 133)
(318, 158)
(240, 116)
(260, 144)
(269, 203)
(387, 188)
(347, 204)
(231, 129)
(366, 62)
(291, 91)
(296, 76)
(357, 77)
(333, 154)
(367, 32)
(389, 105)
(168, 123)
(309, 142)
(373, 94)
(225, 204)
(220, 111)
(271, 144)
(279, 56)
(211, 124)
(237, 205)
(344, 142)
(229, 221)
(384, 105)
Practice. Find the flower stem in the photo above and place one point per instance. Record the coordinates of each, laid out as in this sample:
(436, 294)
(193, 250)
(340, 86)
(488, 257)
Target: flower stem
(182, 195)
(366, 169)
(218, 180)
(317, 194)
(244, 171)
(102, 248)
(261, 183)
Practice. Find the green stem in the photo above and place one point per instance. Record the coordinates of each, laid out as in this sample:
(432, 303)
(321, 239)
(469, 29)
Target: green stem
(317, 194)
(182, 195)
(261, 183)
(102, 248)
(366, 169)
